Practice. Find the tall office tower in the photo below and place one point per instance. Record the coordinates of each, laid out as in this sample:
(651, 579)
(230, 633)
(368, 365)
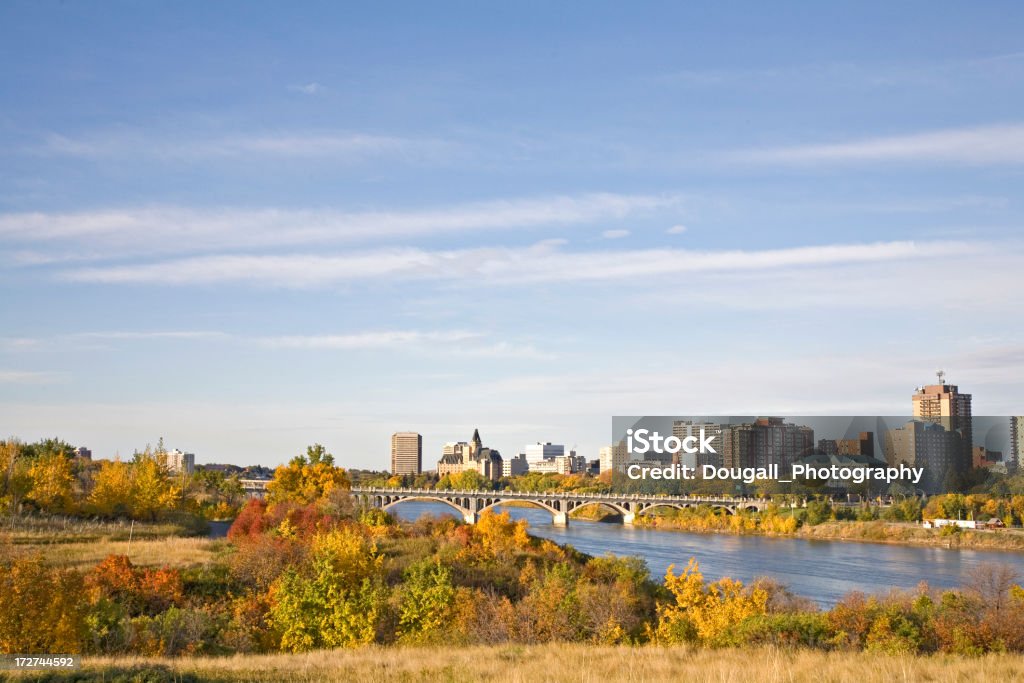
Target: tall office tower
(944, 404)
(684, 428)
(406, 453)
(1016, 440)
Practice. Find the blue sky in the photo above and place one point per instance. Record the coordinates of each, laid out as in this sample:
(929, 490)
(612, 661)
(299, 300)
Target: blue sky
(246, 228)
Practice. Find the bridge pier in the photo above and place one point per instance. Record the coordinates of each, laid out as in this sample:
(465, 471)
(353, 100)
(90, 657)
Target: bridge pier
(560, 519)
(471, 517)
(627, 518)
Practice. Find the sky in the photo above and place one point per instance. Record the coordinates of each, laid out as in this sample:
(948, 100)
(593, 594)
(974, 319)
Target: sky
(249, 227)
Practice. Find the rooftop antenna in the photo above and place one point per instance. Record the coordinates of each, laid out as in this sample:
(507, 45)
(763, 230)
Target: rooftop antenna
(941, 374)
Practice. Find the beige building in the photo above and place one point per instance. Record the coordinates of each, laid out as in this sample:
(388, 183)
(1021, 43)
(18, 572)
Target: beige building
(685, 428)
(458, 457)
(406, 453)
(613, 458)
(944, 404)
(179, 462)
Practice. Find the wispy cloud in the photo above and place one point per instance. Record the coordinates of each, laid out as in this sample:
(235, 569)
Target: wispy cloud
(157, 230)
(980, 145)
(367, 340)
(334, 145)
(134, 335)
(614, 234)
(505, 266)
(311, 88)
(460, 342)
(676, 230)
(25, 377)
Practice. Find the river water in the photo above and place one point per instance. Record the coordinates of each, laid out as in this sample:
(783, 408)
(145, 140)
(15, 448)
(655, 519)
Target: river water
(820, 570)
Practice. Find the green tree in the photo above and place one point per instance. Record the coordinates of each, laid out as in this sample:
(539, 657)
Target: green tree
(426, 600)
(336, 599)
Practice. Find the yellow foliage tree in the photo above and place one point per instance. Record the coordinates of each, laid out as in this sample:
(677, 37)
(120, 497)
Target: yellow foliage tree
(112, 496)
(705, 613)
(307, 478)
(52, 482)
(42, 611)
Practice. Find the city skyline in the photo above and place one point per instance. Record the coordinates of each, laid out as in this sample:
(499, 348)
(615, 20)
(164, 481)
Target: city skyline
(247, 241)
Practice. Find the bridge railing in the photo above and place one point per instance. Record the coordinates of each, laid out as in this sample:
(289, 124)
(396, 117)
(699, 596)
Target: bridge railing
(542, 495)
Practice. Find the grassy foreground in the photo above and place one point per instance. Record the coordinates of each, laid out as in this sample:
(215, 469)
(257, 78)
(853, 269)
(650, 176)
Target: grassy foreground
(556, 662)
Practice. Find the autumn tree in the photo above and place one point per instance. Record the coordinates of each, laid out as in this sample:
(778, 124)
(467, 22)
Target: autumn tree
(112, 494)
(307, 478)
(336, 599)
(152, 488)
(52, 484)
(15, 482)
(41, 610)
(704, 613)
(425, 601)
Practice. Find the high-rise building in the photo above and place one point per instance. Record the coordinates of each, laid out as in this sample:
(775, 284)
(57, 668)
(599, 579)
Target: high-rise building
(928, 444)
(406, 453)
(178, 462)
(944, 404)
(766, 441)
(684, 428)
(614, 458)
(1016, 440)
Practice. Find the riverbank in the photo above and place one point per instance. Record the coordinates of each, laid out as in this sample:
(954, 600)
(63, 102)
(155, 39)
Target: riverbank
(554, 662)
(893, 533)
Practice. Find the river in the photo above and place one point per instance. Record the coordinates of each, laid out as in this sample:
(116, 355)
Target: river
(823, 571)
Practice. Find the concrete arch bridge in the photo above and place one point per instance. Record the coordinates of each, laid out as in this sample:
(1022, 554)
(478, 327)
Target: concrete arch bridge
(471, 504)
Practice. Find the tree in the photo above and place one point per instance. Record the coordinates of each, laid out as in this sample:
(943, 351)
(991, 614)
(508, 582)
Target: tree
(52, 482)
(16, 482)
(42, 610)
(426, 600)
(336, 600)
(45, 447)
(152, 490)
(307, 478)
(705, 613)
(113, 494)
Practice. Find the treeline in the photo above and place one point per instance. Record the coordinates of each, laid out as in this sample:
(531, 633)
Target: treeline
(47, 477)
(330, 575)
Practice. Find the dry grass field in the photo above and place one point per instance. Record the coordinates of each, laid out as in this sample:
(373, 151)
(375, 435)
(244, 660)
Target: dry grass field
(78, 543)
(577, 663)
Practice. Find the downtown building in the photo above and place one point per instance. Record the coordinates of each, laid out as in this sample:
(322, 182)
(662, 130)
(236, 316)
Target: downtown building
(684, 428)
(944, 404)
(1016, 440)
(179, 462)
(406, 453)
(460, 456)
(766, 441)
(613, 458)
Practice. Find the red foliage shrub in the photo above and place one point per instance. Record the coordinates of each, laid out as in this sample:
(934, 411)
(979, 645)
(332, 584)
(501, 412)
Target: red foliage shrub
(140, 591)
(251, 521)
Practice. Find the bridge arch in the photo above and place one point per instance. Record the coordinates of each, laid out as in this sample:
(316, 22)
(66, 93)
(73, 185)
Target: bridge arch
(430, 499)
(614, 507)
(682, 506)
(558, 517)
